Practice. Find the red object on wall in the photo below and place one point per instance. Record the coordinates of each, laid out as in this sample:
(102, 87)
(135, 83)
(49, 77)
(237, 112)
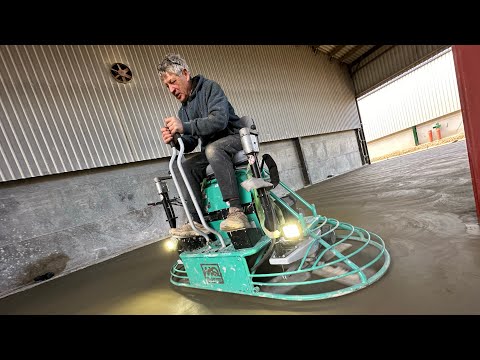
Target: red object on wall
(430, 136)
(466, 59)
(438, 134)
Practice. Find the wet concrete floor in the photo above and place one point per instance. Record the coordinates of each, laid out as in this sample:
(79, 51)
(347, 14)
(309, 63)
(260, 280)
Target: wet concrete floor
(420, 204)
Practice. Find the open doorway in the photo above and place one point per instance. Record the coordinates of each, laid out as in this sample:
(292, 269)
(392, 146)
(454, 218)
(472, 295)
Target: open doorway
(414, 111)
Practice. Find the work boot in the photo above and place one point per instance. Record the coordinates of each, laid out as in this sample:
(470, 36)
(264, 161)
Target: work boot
(187, 231)
(236, 220)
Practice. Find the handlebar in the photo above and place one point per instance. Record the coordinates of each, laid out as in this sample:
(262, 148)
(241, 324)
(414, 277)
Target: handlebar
(174, 142)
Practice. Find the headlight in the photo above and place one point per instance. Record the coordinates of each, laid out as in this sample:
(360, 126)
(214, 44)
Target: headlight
(171, 244)
(291, 231)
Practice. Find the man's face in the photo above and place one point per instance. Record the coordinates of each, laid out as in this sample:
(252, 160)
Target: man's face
(179, 86)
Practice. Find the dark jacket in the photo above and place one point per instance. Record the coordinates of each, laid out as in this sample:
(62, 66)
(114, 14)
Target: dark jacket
(206, 114)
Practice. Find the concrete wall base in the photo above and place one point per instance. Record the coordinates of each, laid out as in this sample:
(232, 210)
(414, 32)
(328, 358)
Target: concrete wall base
(451, 124)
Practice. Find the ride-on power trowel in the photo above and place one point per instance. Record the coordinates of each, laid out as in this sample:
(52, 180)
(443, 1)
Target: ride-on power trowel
(284, 254)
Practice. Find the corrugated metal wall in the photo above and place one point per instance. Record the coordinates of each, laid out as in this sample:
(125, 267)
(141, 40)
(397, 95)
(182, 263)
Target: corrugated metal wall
(389, 62)
(427, 92)
(61, 110)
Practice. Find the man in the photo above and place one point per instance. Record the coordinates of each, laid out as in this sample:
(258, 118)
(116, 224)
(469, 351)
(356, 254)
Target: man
(205, 114)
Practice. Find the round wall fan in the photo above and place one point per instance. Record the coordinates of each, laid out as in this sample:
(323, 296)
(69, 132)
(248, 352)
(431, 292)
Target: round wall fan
(121, 73)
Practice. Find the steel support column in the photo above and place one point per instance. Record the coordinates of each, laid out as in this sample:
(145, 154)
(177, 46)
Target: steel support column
(467, 67)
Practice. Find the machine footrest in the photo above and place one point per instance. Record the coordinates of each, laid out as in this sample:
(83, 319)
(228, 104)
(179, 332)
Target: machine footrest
(245, 238)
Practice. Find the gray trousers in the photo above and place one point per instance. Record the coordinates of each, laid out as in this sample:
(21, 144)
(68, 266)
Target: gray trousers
(219, 155)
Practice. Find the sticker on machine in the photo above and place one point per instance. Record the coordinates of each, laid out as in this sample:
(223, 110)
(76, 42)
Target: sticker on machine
(212, 273)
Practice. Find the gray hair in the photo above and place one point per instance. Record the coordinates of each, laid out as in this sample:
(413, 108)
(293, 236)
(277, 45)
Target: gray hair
(172, 63)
